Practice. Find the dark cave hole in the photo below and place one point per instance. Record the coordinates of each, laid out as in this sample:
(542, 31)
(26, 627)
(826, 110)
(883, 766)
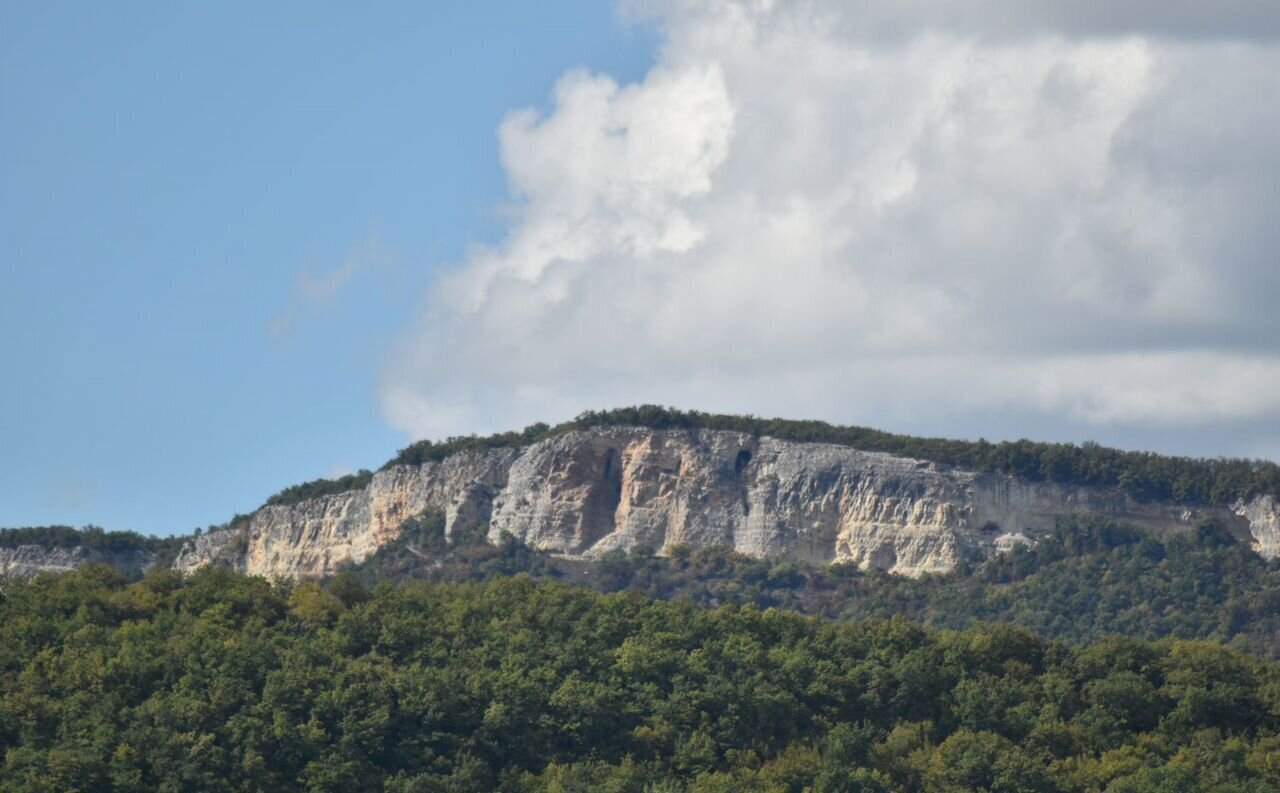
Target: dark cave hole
(613, 476)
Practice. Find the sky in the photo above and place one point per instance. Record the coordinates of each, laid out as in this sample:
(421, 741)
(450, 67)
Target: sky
(247, 245)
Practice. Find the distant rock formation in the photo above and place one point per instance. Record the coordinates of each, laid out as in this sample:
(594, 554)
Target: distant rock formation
(25, 561)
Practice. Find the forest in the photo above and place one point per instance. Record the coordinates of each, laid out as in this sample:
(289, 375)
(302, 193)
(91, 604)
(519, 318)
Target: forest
(222, 682)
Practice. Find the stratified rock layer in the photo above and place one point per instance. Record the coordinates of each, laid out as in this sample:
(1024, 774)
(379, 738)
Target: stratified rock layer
(588, 492)
(25, 561)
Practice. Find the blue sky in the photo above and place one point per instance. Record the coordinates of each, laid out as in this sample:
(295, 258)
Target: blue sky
(248, 245)
(170, 174)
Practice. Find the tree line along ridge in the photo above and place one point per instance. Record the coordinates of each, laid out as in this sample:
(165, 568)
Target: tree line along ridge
(1144, 475)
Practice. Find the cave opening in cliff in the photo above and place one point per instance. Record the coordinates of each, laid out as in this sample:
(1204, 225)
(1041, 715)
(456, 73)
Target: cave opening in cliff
(744, 458)
(613, 476)
(599, 510)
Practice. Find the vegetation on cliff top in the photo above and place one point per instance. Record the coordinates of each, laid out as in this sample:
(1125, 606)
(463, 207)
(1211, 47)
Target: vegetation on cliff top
(99, 540)
(321, 487)
(222, 682)
(1144, 475)
(95, 539)
(91, 537)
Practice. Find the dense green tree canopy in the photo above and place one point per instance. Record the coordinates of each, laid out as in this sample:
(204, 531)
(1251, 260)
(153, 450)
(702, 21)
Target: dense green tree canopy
(223, 682)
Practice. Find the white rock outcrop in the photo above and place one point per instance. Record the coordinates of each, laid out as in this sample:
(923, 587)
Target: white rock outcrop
(587, 492)
(1262, 514)
(317, 536)
(223, 547)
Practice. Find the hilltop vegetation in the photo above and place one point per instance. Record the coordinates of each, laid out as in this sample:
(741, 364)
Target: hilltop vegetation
(221, 682)
(1146, 476)
(94, 539)
(317, 488)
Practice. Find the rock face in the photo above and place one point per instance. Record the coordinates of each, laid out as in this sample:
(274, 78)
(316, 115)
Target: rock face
(217, 547)
(26, 561)
(1263, 516)
(585, 493)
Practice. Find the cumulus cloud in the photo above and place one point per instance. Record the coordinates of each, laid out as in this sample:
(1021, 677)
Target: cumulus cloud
(881, 216)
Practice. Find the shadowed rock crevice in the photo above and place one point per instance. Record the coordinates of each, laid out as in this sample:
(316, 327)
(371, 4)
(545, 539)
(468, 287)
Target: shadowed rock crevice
(600, 511)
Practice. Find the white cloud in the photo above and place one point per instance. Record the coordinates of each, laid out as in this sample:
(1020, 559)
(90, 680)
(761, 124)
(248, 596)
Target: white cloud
(885, 216)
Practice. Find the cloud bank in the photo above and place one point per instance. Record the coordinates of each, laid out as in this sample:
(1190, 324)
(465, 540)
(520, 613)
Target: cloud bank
(899, 215)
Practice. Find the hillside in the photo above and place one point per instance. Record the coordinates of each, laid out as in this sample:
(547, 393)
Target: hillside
(655, 636)
(1087, 580)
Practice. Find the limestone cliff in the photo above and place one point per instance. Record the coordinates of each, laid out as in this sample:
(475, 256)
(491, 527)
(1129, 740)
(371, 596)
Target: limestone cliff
(584, 493)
